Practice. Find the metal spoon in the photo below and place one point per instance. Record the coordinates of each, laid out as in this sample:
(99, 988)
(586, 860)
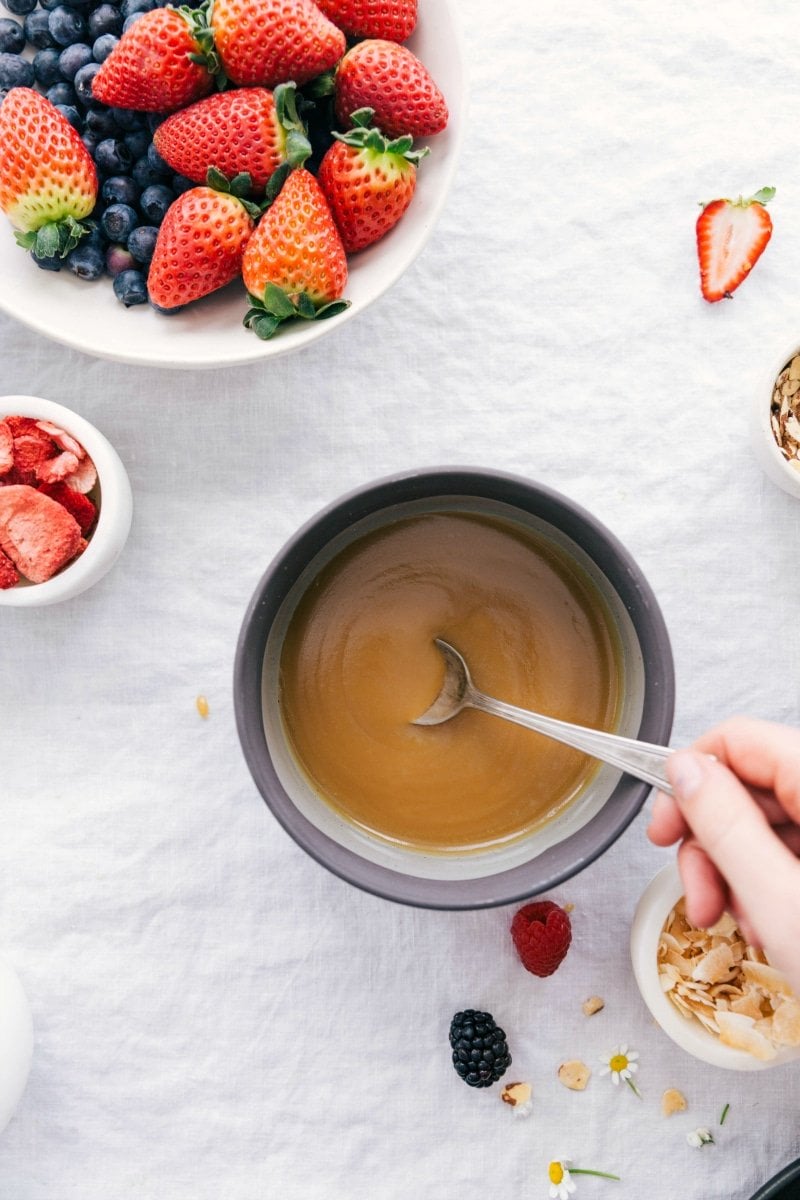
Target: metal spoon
(640, 759)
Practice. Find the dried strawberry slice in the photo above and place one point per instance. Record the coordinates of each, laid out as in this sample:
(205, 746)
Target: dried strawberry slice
(52, 470)
(62, 439)
(37, 533)
(84, 479)
(76, 503)
(9, 576)
(6, 448)
(31, 448)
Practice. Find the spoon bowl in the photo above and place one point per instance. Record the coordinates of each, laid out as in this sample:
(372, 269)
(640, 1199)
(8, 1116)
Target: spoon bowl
(643, 760)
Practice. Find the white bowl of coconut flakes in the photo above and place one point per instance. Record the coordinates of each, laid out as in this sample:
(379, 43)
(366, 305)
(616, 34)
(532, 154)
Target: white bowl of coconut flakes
(715, 996)
(775, 425)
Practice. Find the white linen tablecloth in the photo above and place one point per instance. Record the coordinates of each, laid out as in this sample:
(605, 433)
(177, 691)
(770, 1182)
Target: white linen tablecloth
(216, 1016)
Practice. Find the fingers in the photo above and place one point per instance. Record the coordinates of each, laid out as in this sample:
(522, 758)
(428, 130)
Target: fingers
(763, 754)
(736, 837)
(667, 825)
(706, 891)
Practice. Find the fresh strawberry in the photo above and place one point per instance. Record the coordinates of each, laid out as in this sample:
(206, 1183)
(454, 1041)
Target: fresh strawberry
(48, 182)
(200, 243)
(162, 62)
(294, 264)
(247, 130)
(262, 43)
(368, 181)
(542, 934)
(389, 79)
(391, 19)
(731, 237)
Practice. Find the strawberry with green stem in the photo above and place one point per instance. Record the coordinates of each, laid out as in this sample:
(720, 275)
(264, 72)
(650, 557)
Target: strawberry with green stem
(263, 43)
(369, 182)
(48, 182)
(162, 62)
(294, 266)
(731, 237)
(248, 130)
(201, 241)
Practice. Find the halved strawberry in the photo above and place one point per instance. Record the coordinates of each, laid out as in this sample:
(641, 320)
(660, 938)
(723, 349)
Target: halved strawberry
(731, 237)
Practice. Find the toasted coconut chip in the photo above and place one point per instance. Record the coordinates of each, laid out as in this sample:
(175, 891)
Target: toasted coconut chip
(739, 1033)
(672, 1101)
(766, 977)
(747, 1005)
(786, 1023)
(725, 926)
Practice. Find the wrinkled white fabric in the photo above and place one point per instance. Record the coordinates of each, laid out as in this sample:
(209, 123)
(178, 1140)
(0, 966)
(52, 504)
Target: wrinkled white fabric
(215, 1015)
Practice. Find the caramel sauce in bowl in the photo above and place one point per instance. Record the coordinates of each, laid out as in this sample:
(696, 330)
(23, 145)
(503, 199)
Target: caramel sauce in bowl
(336, 659)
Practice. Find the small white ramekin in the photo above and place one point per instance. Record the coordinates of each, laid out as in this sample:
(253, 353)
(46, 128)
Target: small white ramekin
(114, 515)
(765, 448)
(16, 1041)
(658, 898)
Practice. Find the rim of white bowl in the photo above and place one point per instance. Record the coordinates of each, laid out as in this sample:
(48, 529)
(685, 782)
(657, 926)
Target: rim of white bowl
(114, 515)
(660, 895)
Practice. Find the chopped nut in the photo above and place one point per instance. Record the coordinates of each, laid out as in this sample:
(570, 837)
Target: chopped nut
(568, 908)
(202, 706)
(516, 1093)
(592, 1005)
(673, 1101)
(574, 1074)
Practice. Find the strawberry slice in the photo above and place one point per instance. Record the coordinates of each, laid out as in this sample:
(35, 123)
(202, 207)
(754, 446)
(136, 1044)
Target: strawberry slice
(731, 237)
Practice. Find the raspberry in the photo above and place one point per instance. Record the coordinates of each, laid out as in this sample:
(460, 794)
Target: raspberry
(542, 934)
(76, 503)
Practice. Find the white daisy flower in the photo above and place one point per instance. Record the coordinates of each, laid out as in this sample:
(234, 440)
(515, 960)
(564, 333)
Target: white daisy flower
(562, 1185)
(621, 1064)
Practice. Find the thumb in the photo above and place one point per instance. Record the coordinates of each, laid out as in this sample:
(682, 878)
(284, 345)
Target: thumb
(733, 831)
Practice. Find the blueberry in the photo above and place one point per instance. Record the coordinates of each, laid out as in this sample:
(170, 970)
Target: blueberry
(61, 93)
(142, 243)
(20, 8)
(153, 120)
(119, 221)
(83, 82)
(49, 5)
(70, 112)
(66, 26)
(90, 141)
(46, 70)
(103, 46)
(101, 122)
(119, 259)
(154, 202)
(137, 142)
(95, 237)
(130, 287)
(181, 184)
(130, 8)
(157, 162)
(120, 189)
(144, 174)
(86, 261)
(49, 264)
(15, 71)
(73, 58)
(12, 37)
(131, 20)
(113, 157)
(106, 18)
(128, 120)
(37, 29)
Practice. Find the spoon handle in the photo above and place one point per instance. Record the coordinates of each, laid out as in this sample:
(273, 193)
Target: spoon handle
(641, 759)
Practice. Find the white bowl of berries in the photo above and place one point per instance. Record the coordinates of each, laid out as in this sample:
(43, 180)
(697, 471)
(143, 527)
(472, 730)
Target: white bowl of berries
(65, 503)
(289, 226)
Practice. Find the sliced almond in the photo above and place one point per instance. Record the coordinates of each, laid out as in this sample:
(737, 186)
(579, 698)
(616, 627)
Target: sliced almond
(574, 1074)
(592, 1005)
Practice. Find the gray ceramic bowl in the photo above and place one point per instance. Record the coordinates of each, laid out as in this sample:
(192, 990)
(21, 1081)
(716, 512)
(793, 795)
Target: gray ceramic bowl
(531, 865)
(783, 1186)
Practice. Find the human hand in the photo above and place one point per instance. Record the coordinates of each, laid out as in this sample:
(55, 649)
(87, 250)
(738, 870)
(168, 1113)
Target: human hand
(738, 821)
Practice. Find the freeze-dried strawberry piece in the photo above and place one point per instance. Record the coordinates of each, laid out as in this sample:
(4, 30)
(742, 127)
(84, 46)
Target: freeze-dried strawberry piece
(84, 479)
(53, 470)
(19, 425)
(76, 503)
(62, 439)
(9, 576)
(37, 533)
(31, 448)
(6, 448)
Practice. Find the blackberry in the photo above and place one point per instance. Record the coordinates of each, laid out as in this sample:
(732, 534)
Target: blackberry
(480, 1049)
